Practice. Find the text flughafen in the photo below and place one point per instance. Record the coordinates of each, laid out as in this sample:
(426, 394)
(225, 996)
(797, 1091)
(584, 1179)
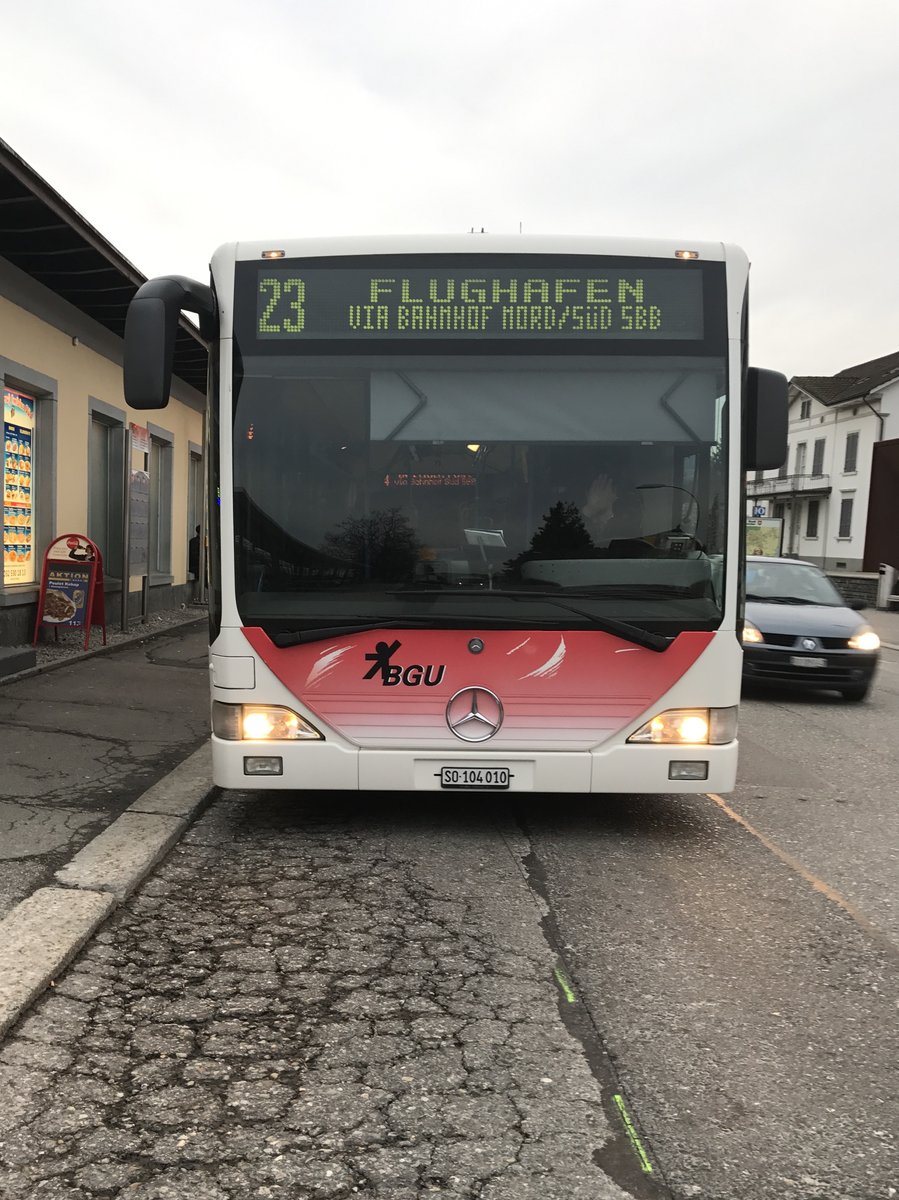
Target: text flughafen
(579, 305)
(448, 304)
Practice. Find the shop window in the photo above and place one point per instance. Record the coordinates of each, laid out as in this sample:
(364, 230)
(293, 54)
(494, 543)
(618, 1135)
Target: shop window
(194, 498)
(105, 479)
(194, 489)
(160, 503)
(19, 476)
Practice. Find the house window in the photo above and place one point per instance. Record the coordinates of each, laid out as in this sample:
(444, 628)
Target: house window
(160, 502)
(805, 408)
(800, 459)
(779, 512)
(850, 459)
(845, 529)
(811, 522)
(19, 413)
(818, 457)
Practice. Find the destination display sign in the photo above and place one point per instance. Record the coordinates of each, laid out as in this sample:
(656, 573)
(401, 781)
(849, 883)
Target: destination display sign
(291, 302)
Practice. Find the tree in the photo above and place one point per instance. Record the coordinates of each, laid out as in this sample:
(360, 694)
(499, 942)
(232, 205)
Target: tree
(382, 545)
(563, 534)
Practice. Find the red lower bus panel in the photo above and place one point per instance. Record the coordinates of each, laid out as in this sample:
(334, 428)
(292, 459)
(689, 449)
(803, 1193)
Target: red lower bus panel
(558, 690)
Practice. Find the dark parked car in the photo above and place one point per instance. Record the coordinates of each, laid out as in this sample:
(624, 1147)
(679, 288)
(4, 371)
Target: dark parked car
(800, 631)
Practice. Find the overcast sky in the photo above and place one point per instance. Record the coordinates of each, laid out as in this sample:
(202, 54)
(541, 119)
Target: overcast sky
(175, 126)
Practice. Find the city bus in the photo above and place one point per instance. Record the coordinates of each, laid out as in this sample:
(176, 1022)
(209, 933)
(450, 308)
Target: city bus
(476, 508)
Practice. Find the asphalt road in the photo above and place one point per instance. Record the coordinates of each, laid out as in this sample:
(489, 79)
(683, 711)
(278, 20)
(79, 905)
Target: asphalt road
(741, 956)
(338, 996)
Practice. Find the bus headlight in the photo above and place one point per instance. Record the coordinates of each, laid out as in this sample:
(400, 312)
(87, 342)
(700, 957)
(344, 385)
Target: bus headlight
(865, 639)
(751, 634)
(689, 727)
(260, 723)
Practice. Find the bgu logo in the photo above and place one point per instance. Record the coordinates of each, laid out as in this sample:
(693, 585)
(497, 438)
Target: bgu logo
(392, 673)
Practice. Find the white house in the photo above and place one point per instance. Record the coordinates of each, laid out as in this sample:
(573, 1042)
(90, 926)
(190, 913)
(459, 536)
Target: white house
(838, 489)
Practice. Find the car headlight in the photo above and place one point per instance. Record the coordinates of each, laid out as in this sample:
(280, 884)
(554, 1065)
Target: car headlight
(751, 633)
(260, 723)
(689, 727)
(865, 639)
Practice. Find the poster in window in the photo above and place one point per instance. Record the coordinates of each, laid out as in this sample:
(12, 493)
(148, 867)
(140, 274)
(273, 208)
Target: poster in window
(139, 534)
(140, 438)
(18, 492)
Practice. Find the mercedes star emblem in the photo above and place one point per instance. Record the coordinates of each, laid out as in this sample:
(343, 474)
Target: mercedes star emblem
(474, 714)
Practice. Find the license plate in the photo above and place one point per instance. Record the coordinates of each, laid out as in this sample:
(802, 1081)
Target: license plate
(799, 660)
(475, 777)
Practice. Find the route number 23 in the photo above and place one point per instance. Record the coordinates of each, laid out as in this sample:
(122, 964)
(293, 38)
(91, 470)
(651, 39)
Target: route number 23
(292, 317)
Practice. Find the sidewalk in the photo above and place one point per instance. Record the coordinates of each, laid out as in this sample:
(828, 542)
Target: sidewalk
(105, 765)
(70, 646)
(79, 746)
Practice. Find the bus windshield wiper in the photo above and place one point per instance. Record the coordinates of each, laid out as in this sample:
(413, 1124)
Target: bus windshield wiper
(622, 629)
(785, 600)
(628, 591)
(298, 637)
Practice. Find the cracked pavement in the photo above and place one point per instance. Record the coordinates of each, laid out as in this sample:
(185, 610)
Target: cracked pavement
(81, 744)
(305, 1001)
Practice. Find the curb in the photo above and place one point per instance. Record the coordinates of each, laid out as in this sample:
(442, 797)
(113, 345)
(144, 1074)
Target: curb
(43, 933)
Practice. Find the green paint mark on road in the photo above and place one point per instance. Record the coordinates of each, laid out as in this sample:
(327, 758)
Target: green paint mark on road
(565, 984)
(645, 1164)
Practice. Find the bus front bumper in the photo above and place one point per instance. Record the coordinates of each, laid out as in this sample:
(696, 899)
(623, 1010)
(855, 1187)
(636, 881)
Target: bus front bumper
(310, 766)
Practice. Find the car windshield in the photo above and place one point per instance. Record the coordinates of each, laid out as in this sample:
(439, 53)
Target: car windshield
(790, 583)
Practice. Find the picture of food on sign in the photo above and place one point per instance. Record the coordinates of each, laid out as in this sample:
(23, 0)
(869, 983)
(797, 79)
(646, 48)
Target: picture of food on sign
(59, 607)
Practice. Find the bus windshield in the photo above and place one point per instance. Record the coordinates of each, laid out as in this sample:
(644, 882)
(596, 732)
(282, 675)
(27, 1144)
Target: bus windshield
(480, 487)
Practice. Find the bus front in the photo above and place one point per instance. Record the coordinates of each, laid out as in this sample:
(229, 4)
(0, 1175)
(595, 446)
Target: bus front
(476, 515)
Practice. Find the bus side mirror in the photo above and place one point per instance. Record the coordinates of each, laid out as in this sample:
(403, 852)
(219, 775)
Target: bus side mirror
(766, 414)
(151, 328)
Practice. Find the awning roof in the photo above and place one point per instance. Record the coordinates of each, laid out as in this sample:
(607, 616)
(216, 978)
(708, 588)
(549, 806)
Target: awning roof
(42, 235)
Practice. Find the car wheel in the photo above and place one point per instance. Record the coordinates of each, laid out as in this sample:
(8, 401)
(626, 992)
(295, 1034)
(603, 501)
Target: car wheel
(858, 691)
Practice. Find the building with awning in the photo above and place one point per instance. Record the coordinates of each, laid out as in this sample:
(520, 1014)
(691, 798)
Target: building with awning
(64, 295)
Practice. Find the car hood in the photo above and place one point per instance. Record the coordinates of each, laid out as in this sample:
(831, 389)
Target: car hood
(821, 620)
